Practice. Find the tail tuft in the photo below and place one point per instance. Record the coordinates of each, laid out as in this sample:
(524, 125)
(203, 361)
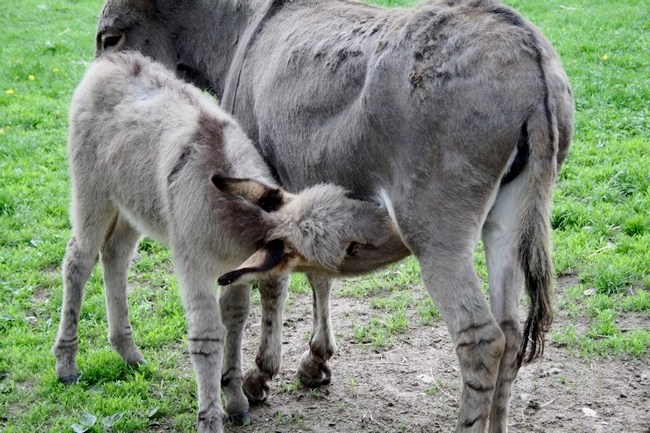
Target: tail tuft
(538, 272)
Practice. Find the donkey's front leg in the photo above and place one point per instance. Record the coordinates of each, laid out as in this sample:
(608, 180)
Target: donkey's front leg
(235, 304)
(269, 355)
(206, 336)
(314, 369)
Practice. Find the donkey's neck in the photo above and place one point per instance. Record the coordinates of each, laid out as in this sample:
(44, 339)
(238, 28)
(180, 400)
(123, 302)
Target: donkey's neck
(209, 35)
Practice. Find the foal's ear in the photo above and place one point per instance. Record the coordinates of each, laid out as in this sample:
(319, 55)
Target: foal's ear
(268, 198)
(272, 259)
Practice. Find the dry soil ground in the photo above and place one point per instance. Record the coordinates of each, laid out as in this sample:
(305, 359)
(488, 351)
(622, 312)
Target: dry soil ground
(414, 385)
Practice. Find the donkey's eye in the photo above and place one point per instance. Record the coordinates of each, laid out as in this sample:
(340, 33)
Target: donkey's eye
(110, 41)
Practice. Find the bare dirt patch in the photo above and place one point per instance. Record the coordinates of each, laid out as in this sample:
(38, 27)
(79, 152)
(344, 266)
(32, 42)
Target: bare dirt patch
(414, 385)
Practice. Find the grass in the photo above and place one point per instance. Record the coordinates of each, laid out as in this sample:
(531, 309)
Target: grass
(600, 217)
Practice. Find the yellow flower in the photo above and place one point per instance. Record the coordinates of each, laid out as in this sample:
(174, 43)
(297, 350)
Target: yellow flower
(9, 91)
(605, 57)
(31, 77)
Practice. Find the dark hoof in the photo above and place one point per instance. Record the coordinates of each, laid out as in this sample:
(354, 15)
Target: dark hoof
(314, 374)
(239, 419)
(314, 382)
(70, 380)
(256, 387)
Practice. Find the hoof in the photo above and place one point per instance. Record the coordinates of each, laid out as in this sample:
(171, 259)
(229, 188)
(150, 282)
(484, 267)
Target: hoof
(256, 387)
(211, 424)
(137, 363)
(239, 419)
(72, 379)
(314, 373)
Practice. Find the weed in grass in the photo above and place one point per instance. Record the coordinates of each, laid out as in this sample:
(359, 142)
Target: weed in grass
(435, 390)
(289, 387)
(353, 387)
(381, 332)
(427, 311)
(294, 420)
(299, 284)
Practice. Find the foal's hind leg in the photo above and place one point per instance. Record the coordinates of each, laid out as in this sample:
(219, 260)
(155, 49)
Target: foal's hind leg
(269, 355)
(506, 284)
(89, 230)
(314, 369)
(115, 256)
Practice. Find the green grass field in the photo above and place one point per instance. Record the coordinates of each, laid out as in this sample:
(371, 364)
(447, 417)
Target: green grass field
(601, 217)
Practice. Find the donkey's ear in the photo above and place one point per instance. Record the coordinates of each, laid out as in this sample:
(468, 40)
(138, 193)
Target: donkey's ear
(273, 258)
(268, 198)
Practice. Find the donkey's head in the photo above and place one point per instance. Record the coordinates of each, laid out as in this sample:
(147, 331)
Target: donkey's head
(137, 25)
(170, 32)
(318, 229)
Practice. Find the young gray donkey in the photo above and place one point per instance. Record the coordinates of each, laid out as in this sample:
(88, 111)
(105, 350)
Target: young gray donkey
(151, 154)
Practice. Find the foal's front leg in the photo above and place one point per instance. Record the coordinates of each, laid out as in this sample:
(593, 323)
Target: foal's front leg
(269, 355)
(314, 369)
(206, 336)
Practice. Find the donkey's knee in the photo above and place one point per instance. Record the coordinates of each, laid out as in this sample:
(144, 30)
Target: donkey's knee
(479, 349)
(508, 369)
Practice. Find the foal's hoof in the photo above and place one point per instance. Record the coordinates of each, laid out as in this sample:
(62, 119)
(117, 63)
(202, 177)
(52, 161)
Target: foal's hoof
(239, 419)
(314, 373)
(211, 424)
(256, 387)
(72, 379)
(137, 363)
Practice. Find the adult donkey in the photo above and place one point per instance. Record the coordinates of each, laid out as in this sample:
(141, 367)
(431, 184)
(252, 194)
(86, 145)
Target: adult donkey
(455, 115)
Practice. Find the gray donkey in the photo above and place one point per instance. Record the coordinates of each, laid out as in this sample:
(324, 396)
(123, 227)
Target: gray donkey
(151, 154)
(456, 115)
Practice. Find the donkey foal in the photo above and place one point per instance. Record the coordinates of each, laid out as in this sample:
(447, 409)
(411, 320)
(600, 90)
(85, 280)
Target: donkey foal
(151, 154)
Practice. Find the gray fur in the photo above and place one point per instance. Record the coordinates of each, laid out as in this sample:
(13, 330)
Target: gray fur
(426, 110)
(151, 154)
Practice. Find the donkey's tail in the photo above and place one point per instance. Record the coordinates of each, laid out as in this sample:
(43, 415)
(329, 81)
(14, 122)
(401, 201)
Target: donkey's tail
(533, 243)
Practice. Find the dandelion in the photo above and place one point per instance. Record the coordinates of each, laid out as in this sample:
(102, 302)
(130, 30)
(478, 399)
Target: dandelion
(605, 57)
(31, 77)
(9, 91)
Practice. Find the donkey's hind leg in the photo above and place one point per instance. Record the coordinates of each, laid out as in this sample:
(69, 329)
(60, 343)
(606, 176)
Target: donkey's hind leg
(115, 256)
(89, 232)
(506, 284)
(442, 234)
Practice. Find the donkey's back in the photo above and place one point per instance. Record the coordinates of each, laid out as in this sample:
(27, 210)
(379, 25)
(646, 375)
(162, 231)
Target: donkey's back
(129, 119)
